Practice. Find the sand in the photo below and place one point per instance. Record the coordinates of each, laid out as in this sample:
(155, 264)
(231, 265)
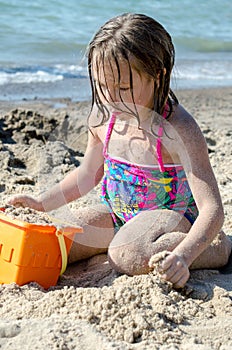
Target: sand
(92, 307)
(28, 215)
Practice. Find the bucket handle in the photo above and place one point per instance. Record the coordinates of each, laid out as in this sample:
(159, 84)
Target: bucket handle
(64, 258)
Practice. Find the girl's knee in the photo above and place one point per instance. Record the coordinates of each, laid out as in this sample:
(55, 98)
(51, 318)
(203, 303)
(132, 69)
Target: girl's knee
(98, 215)
(133, 258)
(98, 232)
(143, 236)
(127, 260)
(221, 249)
(225, 247)
(216, 255)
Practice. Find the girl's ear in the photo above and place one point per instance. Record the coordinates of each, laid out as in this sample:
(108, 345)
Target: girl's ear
(165, 70)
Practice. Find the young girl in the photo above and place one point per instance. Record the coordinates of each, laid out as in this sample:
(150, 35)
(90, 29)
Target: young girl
(158, 188)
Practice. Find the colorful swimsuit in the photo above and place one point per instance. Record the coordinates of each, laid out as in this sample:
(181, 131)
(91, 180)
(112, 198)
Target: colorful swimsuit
(130, 188)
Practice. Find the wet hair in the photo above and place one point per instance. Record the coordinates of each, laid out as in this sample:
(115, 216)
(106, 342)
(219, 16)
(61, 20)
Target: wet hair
(145, 45)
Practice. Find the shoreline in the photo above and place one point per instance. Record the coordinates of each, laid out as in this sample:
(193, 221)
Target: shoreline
(196, 101)
(88, 98)
(78, 89)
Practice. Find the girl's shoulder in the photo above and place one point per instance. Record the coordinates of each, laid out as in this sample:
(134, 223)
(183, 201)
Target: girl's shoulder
(184, 124)
(181, 119)
(180, 114)
(96, 128)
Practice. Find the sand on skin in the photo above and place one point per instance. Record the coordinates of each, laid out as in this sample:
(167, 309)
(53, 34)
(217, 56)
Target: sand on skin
(92, 307)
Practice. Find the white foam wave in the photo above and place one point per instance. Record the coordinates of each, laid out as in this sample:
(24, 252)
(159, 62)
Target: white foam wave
(210, 70)
(72, 69)
(41, 74)
(28, 77)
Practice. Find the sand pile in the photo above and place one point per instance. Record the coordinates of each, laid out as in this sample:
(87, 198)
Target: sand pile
(28, 215)
(133, 310)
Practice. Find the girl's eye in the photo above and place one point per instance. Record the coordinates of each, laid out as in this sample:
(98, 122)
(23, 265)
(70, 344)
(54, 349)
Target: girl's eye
(124, 88)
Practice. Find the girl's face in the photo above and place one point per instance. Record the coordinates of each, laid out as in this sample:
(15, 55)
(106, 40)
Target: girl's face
(129, 89)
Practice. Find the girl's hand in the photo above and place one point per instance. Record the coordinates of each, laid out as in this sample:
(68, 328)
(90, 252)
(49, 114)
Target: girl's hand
(175, 270)
(26, 201)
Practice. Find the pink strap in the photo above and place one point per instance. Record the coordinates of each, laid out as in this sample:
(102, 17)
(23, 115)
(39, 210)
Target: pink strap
(109, 132)
(159, 143)
(158, 149)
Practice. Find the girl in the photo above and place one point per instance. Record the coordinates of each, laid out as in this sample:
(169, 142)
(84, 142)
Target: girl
(158, 188)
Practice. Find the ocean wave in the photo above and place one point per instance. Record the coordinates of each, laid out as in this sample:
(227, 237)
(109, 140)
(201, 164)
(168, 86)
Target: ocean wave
(204, 72)
(40, 74)
(67, 80)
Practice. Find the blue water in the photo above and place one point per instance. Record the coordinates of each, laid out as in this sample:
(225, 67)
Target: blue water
(43, 43)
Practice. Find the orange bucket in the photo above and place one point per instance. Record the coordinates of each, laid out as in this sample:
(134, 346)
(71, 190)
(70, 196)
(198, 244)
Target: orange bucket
(33, 253)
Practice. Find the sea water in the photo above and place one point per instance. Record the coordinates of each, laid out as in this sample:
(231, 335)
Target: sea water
(43, 43)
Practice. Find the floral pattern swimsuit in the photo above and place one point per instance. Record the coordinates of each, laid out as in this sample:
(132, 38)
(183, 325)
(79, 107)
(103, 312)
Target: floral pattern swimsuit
(129, 188)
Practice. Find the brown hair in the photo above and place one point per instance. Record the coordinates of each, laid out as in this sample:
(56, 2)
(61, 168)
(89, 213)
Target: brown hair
(150, 45)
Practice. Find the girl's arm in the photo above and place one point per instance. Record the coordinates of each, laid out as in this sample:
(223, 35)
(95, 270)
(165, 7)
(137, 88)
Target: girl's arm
(76, 184)
(195, 160)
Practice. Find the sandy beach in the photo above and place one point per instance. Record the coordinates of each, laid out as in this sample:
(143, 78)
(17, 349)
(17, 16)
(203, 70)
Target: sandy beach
(92, 307)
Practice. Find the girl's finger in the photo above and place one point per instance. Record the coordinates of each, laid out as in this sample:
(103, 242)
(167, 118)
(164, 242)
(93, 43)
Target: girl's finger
(177, 276)
(175, 269)
(182, 281)
(169, 261)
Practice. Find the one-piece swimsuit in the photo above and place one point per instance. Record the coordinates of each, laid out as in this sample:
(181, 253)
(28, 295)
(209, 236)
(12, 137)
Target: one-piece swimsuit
(129, 188)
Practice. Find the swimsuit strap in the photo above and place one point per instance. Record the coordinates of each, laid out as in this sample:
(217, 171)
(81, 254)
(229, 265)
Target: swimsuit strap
(159, 143)
(158, 149)
(109, 132)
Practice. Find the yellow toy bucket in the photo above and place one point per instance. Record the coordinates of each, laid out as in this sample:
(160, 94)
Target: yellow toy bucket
(33, 253)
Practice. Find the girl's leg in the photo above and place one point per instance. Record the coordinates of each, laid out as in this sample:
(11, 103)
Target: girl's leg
(151, 232)
(140, 238)
(216, 255)
(98, 232)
